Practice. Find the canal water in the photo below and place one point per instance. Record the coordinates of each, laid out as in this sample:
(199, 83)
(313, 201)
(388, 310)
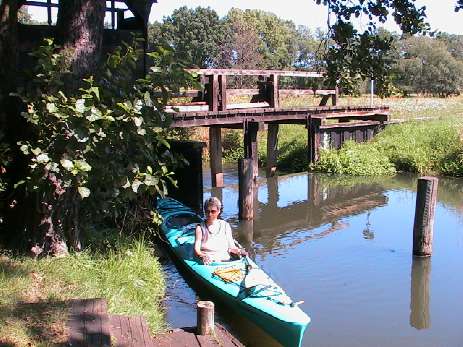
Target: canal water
(344, 246)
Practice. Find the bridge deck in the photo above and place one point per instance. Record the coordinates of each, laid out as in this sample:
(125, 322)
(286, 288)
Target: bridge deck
(300, 115)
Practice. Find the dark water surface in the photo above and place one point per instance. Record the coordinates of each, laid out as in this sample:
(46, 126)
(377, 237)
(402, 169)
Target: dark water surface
(344, 246)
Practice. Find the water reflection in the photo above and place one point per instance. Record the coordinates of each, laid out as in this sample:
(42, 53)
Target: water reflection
(344, 246)
(326, 205)
(419, 298)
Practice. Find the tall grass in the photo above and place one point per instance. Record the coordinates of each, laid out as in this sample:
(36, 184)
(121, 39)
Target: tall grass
(128, 275)
(420, 147)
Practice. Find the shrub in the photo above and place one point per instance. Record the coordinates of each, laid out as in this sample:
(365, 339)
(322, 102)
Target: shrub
(421, 146)
(232, 145)
(355, 159)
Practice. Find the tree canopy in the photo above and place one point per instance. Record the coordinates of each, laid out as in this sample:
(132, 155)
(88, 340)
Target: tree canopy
(195, 34)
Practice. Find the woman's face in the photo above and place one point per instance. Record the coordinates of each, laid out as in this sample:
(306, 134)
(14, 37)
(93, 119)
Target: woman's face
(212, 212)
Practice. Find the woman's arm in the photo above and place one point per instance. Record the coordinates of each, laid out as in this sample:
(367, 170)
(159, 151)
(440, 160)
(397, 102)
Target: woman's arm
(198, 239)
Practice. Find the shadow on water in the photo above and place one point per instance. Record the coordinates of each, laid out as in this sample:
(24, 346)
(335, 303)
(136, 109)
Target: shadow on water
(343, 245)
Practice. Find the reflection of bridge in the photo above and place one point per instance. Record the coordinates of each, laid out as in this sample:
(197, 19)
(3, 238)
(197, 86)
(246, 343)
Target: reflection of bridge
(327, 125)
(326, 205)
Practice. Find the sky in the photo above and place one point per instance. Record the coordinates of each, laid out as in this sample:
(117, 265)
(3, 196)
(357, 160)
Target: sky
(440, 13)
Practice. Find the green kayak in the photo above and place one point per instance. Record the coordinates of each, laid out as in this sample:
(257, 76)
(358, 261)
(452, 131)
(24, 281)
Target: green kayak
(239, 283)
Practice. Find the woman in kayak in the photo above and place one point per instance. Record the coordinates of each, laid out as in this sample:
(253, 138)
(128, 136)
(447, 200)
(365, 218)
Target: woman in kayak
(213, 238)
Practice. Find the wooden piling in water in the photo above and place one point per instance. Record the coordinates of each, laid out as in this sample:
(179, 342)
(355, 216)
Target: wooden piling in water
(205, 317)
(215, 155)
(426, 198)
(246, 182)
(314, 138)
(272, 149)
(250, 144)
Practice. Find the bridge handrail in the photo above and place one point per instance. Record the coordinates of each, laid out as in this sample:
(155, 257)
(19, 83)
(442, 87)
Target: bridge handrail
(246, 72)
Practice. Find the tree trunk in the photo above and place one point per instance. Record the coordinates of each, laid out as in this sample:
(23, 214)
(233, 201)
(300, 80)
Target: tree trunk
(8, 44)
(79, 30)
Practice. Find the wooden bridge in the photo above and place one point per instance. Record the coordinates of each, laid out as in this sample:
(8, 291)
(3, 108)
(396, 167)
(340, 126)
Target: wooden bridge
(327, 126)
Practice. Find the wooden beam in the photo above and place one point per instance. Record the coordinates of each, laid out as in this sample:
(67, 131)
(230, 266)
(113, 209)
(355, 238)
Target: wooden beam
(245, 72)
(324, 100)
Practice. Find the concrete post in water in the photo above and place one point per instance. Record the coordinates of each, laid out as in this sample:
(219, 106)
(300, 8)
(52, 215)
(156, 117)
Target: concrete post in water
(215, 155)
(205, 318)
(272, 149)
(246, 182)
(419, 296)
(426, 198)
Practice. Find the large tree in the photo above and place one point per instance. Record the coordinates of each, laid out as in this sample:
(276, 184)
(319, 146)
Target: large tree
(79, 29)
(426, 66)
(93, 141)
(277, 36)
(356, 54)
(197, 35)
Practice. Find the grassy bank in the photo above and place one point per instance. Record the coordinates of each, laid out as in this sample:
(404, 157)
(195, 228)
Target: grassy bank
(430, 146)
(433, 147)
(33, 293)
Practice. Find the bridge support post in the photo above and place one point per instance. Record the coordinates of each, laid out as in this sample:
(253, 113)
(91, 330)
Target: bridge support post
(215, 156)
(313, 126)
(272, 149)
(250, 145)
(334, 97)
(222, 92)
(212, 92)
(246, 185)
(272, 87)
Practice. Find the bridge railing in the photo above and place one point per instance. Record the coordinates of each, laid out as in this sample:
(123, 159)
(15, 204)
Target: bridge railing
(214, 93)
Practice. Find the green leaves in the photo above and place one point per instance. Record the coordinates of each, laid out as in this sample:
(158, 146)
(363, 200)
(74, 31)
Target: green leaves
(100, 139)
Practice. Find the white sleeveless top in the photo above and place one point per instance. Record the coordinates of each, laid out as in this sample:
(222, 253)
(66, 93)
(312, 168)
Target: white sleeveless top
(219, 240)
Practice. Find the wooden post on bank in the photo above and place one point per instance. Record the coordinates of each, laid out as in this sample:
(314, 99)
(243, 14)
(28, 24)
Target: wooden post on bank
(205, 318)
(426, 198)
(246, 182)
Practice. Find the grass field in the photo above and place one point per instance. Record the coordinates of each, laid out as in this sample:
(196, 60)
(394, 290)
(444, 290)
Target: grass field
(34, 293)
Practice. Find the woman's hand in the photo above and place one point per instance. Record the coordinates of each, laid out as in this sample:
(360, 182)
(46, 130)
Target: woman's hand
(205, 259)
(237, 252)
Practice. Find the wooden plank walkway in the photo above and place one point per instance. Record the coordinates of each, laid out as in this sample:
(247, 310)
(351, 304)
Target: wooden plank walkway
(89, 323)
(90, 326)
(186, 337)
(129, 331)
